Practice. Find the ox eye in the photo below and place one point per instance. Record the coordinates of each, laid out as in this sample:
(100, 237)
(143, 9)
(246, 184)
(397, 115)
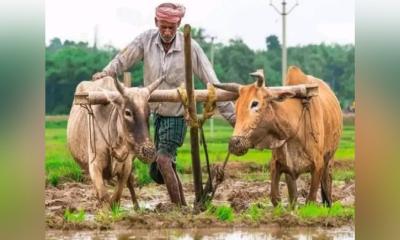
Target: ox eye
(254, 104)
(128, 113)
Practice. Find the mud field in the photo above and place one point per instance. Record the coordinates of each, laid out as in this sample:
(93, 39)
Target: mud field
(244, 184)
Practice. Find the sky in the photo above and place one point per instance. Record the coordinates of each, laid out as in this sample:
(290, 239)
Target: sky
(118, 22)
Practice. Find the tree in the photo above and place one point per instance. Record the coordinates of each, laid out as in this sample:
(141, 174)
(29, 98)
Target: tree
(236, 60)
(55, 44)
(272, 42)
(71, 62)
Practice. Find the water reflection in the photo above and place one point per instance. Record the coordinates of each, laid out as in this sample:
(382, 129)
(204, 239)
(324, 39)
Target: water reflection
(205, 234)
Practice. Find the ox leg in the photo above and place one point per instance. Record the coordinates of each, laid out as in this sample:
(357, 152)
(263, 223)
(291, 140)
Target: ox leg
(131, 184)
(275, 171)
(326, 185)
(97, 179)
(122, 180)
(292, 189)
(316, 176)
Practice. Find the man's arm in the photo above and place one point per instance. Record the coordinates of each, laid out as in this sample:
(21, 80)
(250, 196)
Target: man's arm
(124, 59)
(203, 69)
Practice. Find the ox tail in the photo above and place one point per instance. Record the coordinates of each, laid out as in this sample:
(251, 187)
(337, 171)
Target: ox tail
(324, 195)
(326, 182)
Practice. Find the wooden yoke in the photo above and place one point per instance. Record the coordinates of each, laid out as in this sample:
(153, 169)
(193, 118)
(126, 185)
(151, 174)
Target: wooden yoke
(172, 95)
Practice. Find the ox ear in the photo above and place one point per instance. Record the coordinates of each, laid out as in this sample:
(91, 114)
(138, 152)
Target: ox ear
(231, 87)
(259, 74)
(283, 95)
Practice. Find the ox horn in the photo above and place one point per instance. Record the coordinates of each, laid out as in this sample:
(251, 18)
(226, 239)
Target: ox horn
(231, 87)
(259, 74)
(119, 87)
(155, 84)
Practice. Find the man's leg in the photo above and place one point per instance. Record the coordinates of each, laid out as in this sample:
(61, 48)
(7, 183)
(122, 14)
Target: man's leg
(154, 171)
(164, 163)
(169, 135)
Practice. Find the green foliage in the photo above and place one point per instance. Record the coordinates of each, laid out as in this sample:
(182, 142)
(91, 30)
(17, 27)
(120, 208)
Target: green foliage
(107, 216)
(74, 217)
(236, 61)
(117, 212)
(344, 175)
(59, 163)
(222, 212)
(338, 210)
(279, 210)
(69, 63)
(141, 173)
(313, 210)
(332, 63)
(255, 212)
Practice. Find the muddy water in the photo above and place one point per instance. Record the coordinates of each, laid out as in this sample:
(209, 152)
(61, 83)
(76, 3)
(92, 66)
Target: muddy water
(346, 233)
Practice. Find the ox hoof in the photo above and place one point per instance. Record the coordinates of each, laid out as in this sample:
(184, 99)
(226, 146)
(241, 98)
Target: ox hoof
(276, 202)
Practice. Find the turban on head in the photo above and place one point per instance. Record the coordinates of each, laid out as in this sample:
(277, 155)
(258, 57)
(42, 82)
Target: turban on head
(170, 12)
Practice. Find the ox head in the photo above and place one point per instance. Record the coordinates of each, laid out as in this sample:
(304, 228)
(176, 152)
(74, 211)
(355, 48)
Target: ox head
(133, 114)
(256, 125)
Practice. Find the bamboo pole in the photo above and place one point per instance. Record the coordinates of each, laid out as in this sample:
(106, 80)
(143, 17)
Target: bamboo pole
(194, 130)
(172, 95)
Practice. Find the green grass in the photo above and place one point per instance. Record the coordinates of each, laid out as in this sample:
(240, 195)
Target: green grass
(313, 210)
(255, 212)
(222, 212)
(279, 210)
(343, 175)
(74, 217)
(59, 163)
(60, 166)
(114, 214)
(142, 173)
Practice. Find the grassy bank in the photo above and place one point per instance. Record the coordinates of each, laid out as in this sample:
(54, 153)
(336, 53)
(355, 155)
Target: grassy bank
(60, 166)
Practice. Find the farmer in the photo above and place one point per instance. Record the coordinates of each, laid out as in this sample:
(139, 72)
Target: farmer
(162, 51)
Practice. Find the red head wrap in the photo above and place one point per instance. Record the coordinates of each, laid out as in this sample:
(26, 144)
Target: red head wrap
(170, 12)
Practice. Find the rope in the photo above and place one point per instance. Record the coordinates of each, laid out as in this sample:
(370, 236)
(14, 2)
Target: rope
(210, 104)
(306, 108)
(191, 121)
(208, 110)
(306, 102)
(91, 130)
(92, 122)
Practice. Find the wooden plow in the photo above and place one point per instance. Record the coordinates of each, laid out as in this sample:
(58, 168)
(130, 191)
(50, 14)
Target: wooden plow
(193, 96)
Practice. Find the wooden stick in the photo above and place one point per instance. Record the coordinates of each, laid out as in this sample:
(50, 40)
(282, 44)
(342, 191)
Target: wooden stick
(172, 95)
(194, 130)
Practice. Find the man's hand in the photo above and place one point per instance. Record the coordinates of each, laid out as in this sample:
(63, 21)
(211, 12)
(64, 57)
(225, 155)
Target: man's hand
(99, 75)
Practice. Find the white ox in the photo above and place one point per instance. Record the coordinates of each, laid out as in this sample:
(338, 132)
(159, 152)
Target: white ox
(105, 141)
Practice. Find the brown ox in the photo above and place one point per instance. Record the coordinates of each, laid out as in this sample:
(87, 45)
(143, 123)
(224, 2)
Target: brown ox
(303, 134)
(104, 142)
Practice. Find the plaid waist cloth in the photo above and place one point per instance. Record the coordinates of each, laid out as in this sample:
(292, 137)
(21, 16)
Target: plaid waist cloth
(169, 134)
